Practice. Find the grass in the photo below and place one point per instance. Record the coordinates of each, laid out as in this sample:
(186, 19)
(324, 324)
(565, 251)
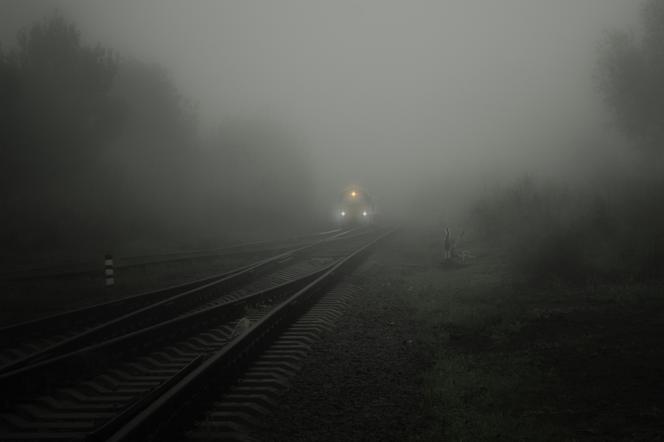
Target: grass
(513, 362)
(550, 234)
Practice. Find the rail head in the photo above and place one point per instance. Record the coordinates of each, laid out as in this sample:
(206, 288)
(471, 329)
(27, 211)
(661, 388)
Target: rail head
(88, 339)
(89, 267)
(11, 332)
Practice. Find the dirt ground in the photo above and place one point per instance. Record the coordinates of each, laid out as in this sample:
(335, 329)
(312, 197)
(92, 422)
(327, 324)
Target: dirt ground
(430, 353)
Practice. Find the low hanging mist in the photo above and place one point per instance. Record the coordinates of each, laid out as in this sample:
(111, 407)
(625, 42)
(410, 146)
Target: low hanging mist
(165, 124)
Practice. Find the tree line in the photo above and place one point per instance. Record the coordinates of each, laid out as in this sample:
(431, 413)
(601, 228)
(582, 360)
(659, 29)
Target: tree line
(98, 150)
(612, 232)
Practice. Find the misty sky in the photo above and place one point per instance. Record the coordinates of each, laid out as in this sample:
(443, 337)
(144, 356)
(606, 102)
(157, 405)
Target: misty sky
(385, 93)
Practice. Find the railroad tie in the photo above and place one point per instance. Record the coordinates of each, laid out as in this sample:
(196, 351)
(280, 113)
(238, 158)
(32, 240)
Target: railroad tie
(245, 404)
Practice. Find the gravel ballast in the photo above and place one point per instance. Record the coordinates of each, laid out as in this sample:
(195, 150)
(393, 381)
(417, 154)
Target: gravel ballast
(363, 380)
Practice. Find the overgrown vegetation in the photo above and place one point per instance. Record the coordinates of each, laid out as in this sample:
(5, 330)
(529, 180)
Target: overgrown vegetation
(517, 363)
(630, 76)
(97, 150)
(509, 361)
(550, 234)
(561, 343)
(612, 232)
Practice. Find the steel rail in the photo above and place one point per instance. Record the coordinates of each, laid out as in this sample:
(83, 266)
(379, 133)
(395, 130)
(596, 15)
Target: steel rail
(88, 268)
(224, 366)
(12, 332)
(164, 307)
(37, 375)
(137, 261)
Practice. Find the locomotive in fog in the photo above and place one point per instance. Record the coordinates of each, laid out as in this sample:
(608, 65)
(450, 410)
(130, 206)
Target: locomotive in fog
(356, 207)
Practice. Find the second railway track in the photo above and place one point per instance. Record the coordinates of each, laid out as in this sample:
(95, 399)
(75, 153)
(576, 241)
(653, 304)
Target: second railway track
(115, 387)
(29, 342)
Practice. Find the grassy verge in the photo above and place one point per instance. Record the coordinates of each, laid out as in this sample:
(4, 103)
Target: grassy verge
(511, 362)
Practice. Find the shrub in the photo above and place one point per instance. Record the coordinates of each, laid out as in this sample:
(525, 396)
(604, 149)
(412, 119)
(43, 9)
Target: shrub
(549, 234)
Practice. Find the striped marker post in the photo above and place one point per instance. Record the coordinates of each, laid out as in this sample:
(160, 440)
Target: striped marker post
(109, 271)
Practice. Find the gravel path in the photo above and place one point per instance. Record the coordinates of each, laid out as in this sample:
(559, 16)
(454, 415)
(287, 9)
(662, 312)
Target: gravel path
(362, 382)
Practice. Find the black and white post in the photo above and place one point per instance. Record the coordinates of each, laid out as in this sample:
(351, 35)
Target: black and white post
(109, 271)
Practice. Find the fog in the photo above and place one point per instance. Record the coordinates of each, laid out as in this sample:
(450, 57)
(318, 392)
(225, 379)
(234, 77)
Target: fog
(331, 220)
(421, 103)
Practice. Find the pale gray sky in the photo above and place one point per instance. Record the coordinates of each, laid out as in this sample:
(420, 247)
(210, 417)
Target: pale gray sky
(388, 94)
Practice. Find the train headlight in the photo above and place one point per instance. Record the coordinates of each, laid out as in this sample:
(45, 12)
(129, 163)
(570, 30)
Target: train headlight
(353, 194)
(365, 213)
(343, 213)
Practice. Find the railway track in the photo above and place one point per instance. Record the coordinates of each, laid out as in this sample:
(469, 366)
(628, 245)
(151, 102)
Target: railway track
(143, 261)
(118, 387)
(31, 341)
(237, 412)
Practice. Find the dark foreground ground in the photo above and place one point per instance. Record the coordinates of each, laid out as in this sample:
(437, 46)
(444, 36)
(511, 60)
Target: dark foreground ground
(428, 353)
(363, 382)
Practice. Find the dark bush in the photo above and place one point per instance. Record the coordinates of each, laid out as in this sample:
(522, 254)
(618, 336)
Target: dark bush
(549, 234)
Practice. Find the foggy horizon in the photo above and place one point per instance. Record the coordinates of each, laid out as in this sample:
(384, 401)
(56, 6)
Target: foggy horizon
(391, 96)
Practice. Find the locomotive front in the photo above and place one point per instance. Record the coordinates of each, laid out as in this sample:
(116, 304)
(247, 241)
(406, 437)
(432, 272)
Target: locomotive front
(356, 207)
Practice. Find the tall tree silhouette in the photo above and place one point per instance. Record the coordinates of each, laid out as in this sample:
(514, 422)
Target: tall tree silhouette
(57, 116)
(631, 78)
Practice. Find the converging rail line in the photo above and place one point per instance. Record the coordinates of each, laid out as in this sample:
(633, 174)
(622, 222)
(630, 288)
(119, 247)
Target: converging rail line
(127, 262)
(115, 385)
(31, 341)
